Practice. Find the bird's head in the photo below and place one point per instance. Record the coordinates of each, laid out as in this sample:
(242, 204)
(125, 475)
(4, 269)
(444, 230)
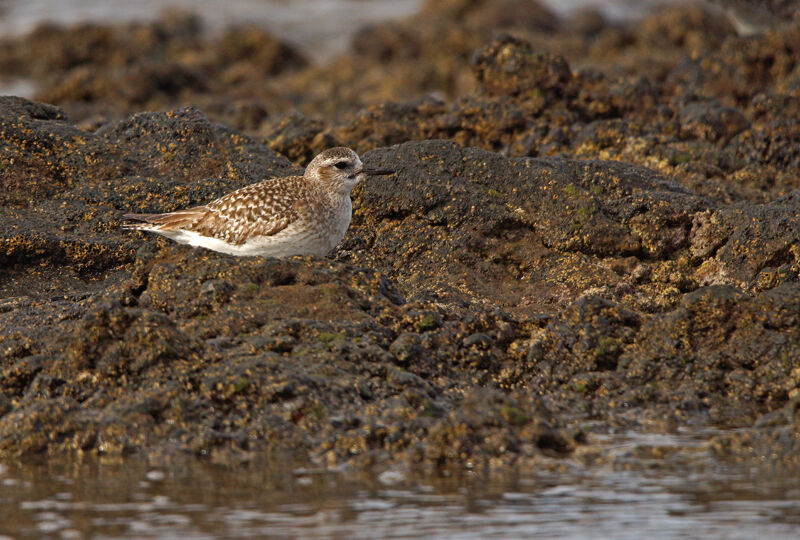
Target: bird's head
(340, 169)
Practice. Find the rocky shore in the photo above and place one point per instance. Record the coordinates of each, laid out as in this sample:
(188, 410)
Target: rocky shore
(593, 228)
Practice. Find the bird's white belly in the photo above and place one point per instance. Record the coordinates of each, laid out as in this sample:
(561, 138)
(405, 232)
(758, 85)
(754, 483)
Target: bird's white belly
(297, 239)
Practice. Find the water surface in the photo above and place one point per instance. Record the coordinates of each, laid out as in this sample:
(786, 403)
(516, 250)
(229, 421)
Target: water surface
(195, 499)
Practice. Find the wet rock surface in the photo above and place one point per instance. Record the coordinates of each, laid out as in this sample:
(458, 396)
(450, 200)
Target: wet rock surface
(591, 228)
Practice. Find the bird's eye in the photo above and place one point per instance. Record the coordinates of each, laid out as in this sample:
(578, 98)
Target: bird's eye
(340, 164)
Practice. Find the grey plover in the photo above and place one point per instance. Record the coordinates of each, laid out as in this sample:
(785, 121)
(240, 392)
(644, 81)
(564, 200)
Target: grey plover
(279, 217)
(751, 17)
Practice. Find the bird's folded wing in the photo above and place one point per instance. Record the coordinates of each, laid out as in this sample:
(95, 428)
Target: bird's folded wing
(262, 209)
(258, 210)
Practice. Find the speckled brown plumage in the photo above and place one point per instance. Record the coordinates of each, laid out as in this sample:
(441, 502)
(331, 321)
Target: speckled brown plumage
(278, 217)
(262, 209)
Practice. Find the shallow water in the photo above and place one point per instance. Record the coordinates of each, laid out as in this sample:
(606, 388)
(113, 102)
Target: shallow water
(200, 500)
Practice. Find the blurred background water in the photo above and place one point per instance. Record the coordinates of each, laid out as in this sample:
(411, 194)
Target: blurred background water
(320, 27)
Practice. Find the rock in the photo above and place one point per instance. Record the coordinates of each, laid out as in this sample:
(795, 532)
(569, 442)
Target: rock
(528, 210)
(292, 135)
(721, 352)
(509, 66)
(592, 228)
(406, 347)
(711, 121)
(754, 242)
(77, 206)
(255, 47)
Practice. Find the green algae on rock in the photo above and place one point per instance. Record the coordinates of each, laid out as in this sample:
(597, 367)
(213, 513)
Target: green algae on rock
(607, 239)
(423, 340)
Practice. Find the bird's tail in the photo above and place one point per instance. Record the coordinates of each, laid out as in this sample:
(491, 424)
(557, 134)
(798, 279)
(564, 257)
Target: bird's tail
(159, 222)
(140, 221)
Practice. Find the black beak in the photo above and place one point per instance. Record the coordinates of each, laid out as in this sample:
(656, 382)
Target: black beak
(376, 172)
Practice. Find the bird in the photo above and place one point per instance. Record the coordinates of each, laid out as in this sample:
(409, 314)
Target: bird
(751, 17)
(278, 217)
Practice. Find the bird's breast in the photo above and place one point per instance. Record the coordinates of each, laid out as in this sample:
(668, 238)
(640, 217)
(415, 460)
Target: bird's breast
(338, 220)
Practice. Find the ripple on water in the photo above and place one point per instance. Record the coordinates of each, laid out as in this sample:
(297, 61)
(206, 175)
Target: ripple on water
(198, 500)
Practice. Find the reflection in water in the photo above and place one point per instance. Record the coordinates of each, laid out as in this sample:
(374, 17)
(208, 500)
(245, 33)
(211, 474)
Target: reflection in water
(200, 500)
